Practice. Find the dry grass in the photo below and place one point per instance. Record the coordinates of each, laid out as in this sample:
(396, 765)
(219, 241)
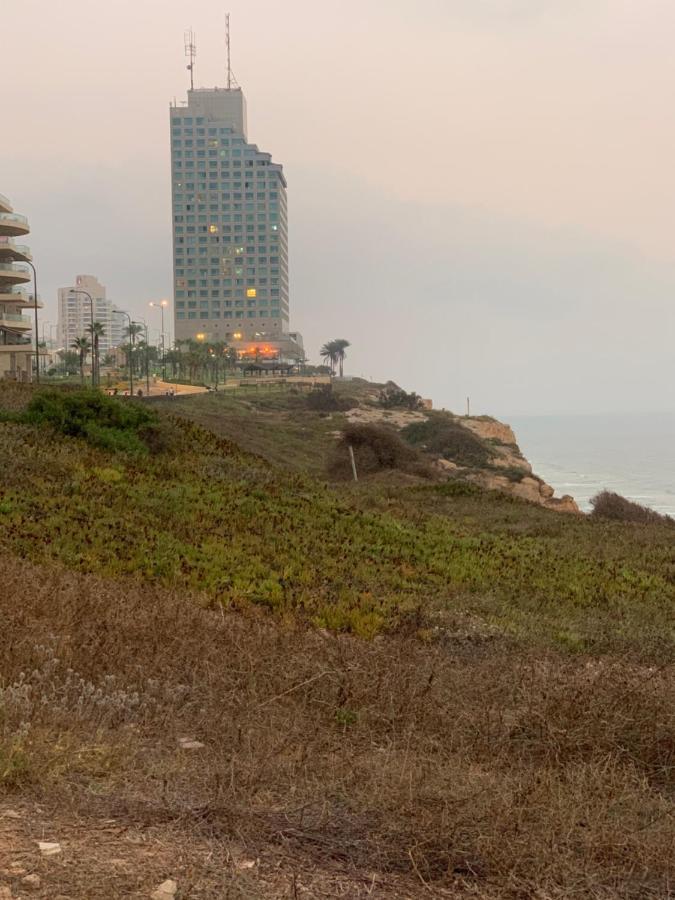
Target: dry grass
(467, 767)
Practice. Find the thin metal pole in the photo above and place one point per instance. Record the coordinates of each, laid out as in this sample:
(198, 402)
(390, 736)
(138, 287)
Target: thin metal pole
(91, 320)
(121, 312)
(37, 336)
(144, 324)
(163, 347)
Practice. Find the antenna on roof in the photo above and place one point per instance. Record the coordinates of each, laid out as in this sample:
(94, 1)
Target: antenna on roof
(191, 53)
(231, 80)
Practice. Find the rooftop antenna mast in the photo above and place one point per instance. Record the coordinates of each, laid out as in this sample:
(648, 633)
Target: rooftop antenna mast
(191, 53)
(231, 80)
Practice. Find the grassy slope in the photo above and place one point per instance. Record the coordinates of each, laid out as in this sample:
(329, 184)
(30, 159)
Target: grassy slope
(484, 759)
(214, 519)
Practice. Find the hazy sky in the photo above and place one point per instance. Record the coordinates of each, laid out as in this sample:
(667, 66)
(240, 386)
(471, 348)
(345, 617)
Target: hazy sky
(481, 192)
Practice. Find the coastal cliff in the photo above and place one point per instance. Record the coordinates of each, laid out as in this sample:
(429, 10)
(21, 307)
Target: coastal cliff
(494, 462)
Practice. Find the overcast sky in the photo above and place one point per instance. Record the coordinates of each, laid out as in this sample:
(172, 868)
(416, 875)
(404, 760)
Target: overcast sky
(481, 192)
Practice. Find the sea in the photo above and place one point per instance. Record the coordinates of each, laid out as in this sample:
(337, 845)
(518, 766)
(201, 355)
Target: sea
(633, 455)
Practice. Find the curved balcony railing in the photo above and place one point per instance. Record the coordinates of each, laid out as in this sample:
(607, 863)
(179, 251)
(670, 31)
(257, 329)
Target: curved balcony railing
(12, 218)
(14, 319)
(11, 345)
(8, 247)
(12, 268)
(17, 295)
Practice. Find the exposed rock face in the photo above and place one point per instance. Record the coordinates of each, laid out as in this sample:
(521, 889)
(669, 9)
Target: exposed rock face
(399, 418)
(527, 488)
(504, 451)
(490, 430)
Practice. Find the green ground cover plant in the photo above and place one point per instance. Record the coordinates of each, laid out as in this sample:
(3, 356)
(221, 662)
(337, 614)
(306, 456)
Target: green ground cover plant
(211, 518)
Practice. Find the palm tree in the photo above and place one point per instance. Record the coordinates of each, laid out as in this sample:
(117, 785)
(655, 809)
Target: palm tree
(340, 345)
(174, 359)
(329, 354)
(82, 346)
(97, 331)
(132, 330)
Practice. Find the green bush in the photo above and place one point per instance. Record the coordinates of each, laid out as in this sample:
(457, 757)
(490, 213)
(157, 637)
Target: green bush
(106, 422)
(324, 399)
(443, 436)
(394, 397)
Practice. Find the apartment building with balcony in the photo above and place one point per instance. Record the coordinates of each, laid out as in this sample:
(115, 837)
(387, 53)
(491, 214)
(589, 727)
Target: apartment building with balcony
(75, 314)
(16, 350)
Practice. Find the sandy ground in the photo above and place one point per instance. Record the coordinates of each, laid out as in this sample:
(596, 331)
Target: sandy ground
(133, 854)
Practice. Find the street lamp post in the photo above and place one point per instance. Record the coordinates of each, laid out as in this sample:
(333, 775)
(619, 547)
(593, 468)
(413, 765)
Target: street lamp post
(147, 355)
(162, 305)
(91, 316)
(120, 312)
(37, 336)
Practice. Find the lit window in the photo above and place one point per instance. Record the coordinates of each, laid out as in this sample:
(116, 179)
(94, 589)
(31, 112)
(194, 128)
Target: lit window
(213, 229)
(251, 292)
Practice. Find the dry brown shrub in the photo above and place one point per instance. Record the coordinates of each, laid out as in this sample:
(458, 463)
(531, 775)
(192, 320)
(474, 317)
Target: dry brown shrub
(609, 505)
(377, 448)
(468, 763)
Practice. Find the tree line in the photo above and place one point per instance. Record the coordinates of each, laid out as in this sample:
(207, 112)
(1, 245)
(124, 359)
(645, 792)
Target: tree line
(188, 360)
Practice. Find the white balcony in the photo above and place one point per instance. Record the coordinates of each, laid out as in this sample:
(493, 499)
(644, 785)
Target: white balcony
(13, 273)
(12, 251)
(13, 225)
(15, 322)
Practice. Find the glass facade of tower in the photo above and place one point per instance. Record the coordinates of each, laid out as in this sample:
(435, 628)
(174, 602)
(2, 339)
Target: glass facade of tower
(230, 234)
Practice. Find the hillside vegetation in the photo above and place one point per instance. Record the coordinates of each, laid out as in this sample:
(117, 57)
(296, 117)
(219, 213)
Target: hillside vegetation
(403, 687)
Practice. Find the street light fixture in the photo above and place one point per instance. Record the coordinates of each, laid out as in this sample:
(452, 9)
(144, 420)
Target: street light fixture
(91, 316)
(162, 304)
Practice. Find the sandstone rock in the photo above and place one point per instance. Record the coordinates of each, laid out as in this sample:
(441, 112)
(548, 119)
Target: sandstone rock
(244, 864)
(565, 504)
(5, 893)
(507, 459)
(32, 881)
(446, 465)
(490, 430)
(527, 489)
(399, 417)
(49, 848)
(186, 743)
(166, 890)
(546, 491)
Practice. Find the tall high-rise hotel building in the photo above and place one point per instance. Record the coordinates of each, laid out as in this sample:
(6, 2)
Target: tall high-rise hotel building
(230, 234)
